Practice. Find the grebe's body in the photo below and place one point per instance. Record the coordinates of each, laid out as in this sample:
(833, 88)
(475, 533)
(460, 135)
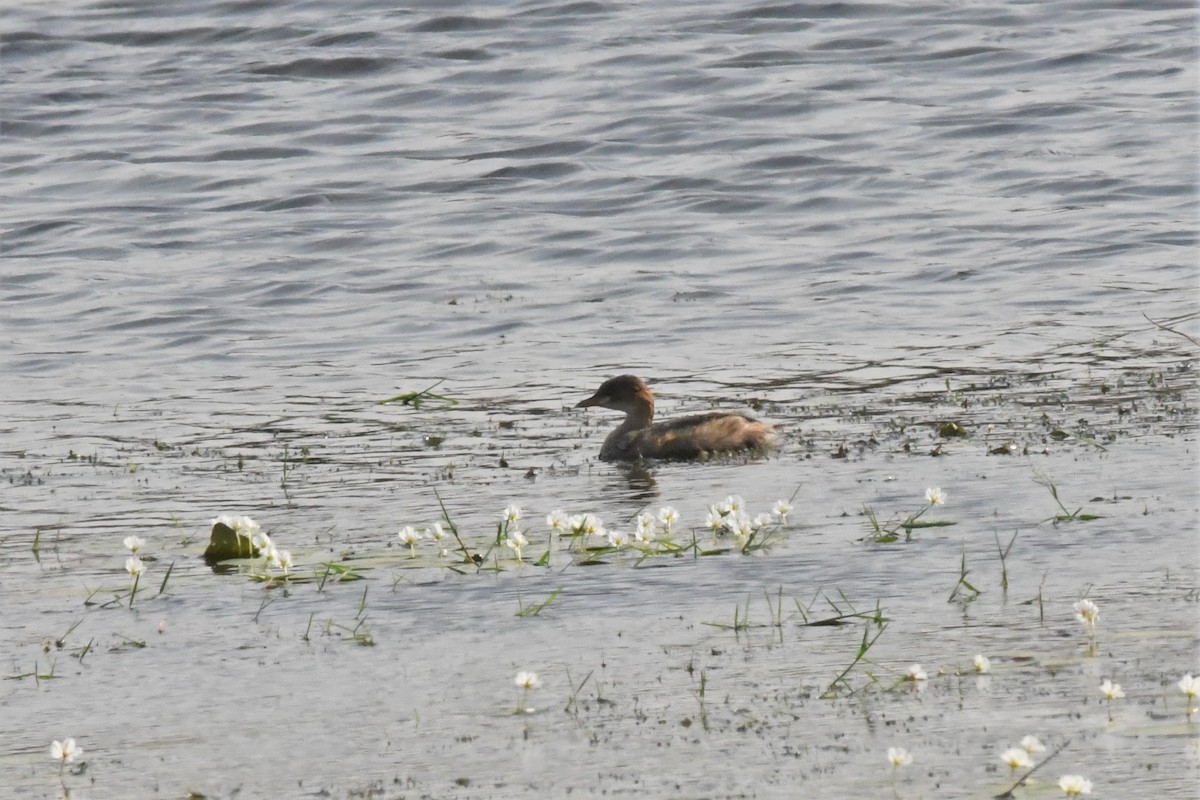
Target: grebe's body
(696, 436)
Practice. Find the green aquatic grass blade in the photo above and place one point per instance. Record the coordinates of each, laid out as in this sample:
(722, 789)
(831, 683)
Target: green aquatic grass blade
(415, 399)
(533, 611)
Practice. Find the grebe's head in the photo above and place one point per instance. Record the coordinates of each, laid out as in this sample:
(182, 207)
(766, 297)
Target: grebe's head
(622, 393)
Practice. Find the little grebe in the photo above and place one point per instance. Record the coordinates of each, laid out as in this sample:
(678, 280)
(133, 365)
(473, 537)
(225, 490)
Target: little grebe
(687, 437)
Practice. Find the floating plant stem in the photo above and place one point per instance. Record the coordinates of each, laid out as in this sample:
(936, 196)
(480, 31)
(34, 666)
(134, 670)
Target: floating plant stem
(468, 556)
(1007, 795)
(362, 603)
(414, 398)
(1160, 326)
(344, 574)
(572, 706)
(283, 480)
(1004, 551)
(83, 651)
(532, 611)
(60, 641)
(1065, 516)
(700, 699)
(741, 620)
(963, 583)
(776, 613)
(841, 617)
(163, 586)
(867, 641)
(266, 601)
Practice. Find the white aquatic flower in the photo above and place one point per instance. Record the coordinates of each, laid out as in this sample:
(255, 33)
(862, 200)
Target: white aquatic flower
(134, 566)
(517, 541)
(899, 757)
(982, 664)
(1110, 690)
(618, 539)
(271, 556)
(1074, 785)
(65, 751)
(558, 520)
(409, 536)
(731, 504)
(1032, 745)
(714, 520)
(1190, 686)
(915, 673)
(935, 496)
(781, 509)
(436, 532)
(224, 519)
(134, 543)
(587, 525)
(762, 521)
(1086, 612)
(245, 526)
(528, 680)
(1016, 758)
(283, 560)
(669, 517)
(645, 529)
(260, 541)
(512, 513)
(741, 528)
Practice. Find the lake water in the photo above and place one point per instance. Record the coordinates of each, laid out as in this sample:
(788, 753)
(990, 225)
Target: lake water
(230, 229)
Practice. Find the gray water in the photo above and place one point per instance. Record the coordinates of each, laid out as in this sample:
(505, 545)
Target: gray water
(230, 229)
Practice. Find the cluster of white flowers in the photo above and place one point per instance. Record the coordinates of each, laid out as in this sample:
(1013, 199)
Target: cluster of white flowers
(1021, 757)
(655, 527)
(134, 566)
(410, 537)
(247, 528)
(586, 525)
(1074, 785)
(730, 516)
(1087, 612)
(651, 528)
(243, 526)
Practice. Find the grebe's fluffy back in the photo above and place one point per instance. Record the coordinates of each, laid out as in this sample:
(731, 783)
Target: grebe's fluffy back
(686, 437)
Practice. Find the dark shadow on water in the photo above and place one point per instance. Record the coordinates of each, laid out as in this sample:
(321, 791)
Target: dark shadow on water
(635, 480)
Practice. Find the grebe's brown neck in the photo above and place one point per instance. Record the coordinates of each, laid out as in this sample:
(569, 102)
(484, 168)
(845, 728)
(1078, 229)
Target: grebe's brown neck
(625, 393)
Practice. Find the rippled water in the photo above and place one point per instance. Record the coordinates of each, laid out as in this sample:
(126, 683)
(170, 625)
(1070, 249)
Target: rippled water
(229, 229)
